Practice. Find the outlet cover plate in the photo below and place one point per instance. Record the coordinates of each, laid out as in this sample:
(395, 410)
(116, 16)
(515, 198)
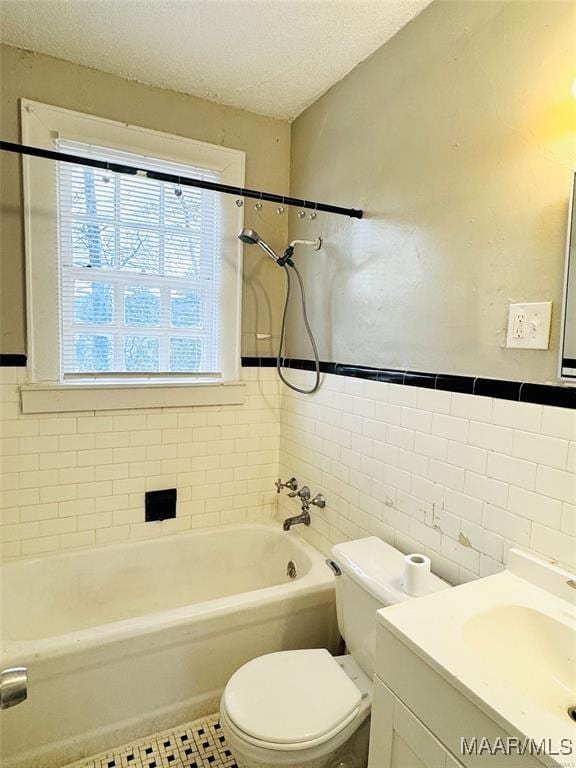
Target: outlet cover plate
(529, 325)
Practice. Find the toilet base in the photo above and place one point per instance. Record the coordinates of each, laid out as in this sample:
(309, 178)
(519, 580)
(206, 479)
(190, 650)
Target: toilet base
(352, 754)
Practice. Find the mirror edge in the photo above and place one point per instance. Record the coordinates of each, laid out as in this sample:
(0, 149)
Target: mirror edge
(570, 234)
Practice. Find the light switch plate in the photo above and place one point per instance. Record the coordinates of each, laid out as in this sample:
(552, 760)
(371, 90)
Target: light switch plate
(529, 325)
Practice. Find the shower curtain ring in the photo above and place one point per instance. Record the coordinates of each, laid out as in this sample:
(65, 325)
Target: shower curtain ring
(313, 213)
(302, 212)
(259, 206)
(280, 209)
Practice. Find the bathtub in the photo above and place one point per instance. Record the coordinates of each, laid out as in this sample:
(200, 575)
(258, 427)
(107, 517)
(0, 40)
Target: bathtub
(125, 640)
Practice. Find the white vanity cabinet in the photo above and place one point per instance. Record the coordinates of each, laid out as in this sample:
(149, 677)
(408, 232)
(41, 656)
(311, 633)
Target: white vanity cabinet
(419, 718)
(399, 740)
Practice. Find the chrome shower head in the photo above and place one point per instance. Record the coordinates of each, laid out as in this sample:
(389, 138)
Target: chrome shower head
(251, 237)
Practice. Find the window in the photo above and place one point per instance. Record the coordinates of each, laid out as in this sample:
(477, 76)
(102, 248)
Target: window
(139, 268)
(129, 278)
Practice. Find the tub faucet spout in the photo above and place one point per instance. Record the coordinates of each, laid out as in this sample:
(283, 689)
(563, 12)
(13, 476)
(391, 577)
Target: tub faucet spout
(303, 519)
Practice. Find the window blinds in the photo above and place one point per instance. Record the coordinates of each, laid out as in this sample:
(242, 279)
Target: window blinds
(139, 265)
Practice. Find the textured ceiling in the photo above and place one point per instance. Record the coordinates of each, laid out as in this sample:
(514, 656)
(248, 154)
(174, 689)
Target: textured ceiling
(274, 57)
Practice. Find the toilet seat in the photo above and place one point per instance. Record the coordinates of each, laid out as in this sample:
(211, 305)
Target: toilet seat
(291, 699)
(299, 748)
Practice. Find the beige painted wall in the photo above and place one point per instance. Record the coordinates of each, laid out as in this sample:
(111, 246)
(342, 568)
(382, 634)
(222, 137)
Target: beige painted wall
(457, 138)
(265, 141)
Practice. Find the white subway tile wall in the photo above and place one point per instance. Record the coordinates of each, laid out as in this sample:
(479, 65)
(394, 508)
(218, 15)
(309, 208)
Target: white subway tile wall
(459, 477)
(79, 479)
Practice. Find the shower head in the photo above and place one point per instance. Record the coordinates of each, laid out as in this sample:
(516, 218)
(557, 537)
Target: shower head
(251, 237)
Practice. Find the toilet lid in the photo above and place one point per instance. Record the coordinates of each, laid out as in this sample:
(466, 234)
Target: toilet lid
(291, 696)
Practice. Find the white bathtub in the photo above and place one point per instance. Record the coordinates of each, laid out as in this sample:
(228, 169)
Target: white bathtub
(124, 640)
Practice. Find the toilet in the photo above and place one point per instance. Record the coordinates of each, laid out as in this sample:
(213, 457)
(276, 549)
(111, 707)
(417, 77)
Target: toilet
(307, 708)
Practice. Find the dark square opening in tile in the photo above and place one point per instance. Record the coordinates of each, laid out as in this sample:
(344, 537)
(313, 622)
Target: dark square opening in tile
(160, 505)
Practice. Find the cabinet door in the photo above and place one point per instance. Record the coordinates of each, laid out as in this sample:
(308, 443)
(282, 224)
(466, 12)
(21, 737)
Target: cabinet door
(398, 739)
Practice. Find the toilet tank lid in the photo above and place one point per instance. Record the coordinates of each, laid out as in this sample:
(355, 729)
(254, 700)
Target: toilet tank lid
(378, 568)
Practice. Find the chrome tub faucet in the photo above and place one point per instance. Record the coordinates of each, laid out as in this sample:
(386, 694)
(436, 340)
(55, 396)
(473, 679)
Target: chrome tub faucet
(304, 517)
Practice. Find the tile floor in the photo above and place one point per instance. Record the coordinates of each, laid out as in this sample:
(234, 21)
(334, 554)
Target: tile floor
(200, 744)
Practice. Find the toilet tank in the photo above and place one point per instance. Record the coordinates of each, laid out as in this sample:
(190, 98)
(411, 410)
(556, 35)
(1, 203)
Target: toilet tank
(370, 579)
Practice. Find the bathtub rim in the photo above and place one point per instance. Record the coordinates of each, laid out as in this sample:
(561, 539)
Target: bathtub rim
(112, 546)
(317, 583)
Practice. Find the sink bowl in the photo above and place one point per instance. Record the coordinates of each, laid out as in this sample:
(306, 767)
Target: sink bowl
(533, 652)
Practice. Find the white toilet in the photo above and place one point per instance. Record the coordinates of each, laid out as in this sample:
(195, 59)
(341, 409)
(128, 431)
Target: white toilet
(308, 709)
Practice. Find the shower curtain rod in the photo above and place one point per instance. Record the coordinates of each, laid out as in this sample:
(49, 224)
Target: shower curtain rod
(185, 181)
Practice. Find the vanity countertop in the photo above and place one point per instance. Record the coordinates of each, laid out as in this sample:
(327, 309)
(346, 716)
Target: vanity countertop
(508, 642)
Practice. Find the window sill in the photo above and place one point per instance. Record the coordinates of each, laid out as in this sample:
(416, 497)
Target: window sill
(59, 398)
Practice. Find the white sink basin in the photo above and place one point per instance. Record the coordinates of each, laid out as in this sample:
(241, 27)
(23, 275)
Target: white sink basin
(532, 651)
(508, 642)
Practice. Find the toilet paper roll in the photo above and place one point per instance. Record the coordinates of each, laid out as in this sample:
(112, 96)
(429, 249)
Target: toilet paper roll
(416, 570)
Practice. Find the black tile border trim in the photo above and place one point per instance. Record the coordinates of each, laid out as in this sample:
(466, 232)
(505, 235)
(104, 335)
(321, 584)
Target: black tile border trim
(517, 391)
(12, 361)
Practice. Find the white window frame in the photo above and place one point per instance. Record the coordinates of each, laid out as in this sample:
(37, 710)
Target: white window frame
(42, 126)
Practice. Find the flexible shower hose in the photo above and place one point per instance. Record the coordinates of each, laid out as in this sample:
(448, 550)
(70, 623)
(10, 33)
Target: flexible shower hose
(308, 330)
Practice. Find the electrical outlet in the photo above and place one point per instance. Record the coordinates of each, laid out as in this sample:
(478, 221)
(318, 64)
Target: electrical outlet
(519, 329)
(529, 325)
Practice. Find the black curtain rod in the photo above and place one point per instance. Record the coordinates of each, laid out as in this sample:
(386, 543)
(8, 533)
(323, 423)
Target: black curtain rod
(185, 181)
